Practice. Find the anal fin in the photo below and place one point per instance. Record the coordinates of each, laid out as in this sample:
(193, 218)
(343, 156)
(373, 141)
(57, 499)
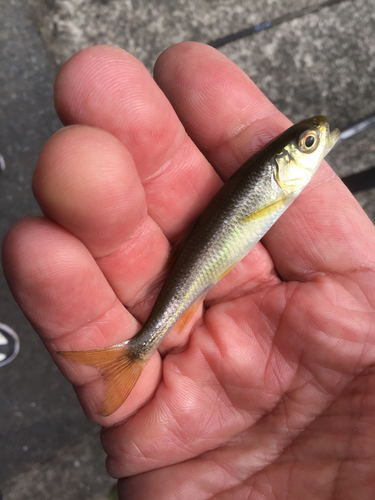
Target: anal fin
(188, 314)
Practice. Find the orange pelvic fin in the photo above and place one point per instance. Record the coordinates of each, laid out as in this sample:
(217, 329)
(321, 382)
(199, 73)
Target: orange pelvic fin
(120, 368)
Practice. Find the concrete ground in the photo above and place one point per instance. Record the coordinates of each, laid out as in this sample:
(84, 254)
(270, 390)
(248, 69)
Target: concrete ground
(321, 62)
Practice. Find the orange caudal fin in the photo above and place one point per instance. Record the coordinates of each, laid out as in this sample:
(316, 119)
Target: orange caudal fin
(120, 368)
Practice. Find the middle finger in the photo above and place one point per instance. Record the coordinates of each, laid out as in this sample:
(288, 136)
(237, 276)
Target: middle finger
(106, 87)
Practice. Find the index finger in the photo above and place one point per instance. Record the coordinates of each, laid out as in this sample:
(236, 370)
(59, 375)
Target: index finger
(229, 119)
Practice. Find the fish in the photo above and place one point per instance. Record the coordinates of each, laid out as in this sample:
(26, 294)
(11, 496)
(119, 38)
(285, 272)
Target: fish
(237, 217)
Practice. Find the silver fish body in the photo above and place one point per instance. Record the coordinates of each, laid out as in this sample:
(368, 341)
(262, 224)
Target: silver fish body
(244, 209)
(240, 214)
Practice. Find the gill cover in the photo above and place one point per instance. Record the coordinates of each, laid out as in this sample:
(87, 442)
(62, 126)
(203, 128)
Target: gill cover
(297, 162)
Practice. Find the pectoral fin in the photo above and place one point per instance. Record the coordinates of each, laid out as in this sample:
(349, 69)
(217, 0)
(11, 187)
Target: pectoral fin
(267, 209)
(226, 271)
(119, 367)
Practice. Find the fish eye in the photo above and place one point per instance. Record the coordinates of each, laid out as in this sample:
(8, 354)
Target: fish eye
(308, 141)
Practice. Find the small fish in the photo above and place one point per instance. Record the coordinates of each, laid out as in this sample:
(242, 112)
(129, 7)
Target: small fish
(238, 216)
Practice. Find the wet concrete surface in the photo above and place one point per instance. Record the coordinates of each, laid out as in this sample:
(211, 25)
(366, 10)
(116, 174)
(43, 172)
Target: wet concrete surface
(319, 63)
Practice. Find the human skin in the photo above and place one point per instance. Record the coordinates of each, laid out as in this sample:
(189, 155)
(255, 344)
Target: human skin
(268, 393)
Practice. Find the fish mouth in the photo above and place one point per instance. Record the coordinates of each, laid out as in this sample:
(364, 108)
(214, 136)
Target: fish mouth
(332, 138)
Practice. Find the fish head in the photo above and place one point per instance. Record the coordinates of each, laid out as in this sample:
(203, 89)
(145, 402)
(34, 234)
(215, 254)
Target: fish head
(308, 142)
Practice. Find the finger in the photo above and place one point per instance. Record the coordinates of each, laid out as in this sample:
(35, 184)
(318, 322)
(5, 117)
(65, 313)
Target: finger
(324, 231)
(229, 119)
(86, 181)
(169, 201)
(67, 299)
(106, 87)
(222, 110)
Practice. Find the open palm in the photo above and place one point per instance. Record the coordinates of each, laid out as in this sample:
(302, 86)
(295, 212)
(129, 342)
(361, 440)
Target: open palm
(268, 393)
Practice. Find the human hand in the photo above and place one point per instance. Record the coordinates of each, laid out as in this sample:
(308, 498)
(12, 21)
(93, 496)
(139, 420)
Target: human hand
(268, 392)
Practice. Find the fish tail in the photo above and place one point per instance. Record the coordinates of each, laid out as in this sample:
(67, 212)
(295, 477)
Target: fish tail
(120, 368)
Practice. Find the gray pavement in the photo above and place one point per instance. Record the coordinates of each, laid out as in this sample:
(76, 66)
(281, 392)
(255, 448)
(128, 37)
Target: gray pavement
(319, 63)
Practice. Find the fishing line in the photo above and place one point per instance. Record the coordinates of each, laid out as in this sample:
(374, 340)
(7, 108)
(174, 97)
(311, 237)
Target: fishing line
(361, 181)
(219, 42)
